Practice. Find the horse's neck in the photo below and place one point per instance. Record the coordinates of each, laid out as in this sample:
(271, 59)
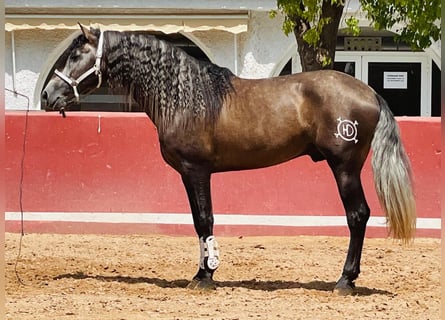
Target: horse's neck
(170, 86)
(135, 72)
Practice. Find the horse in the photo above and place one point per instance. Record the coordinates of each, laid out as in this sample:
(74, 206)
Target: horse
(209, 120)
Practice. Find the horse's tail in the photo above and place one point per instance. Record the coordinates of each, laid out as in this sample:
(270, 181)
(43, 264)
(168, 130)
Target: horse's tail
(392, 176)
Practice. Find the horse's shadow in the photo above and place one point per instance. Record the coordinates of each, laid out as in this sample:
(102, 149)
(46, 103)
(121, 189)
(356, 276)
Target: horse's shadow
(317, 285)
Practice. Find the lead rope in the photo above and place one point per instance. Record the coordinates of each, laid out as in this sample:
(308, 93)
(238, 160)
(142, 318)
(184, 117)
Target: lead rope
(22, 169)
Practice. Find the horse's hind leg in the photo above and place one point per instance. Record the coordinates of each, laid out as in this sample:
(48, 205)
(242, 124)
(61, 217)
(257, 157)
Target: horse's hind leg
(357, 213)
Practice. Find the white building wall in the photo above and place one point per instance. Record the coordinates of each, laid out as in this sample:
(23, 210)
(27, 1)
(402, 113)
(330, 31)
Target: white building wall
(255, 54)
(32, 49)
(217, 45)
(258, 53)
(264, 46)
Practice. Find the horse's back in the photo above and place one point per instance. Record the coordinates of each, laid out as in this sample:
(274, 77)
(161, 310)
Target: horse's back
(303, 100)
(327, 90)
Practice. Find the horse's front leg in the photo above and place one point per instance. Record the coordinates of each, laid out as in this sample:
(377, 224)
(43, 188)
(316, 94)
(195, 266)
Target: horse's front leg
(197, 185)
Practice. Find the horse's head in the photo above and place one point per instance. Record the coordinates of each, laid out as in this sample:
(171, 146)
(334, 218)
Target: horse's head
(81, 73)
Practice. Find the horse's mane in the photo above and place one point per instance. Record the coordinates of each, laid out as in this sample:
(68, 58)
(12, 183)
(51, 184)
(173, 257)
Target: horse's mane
(168, 84)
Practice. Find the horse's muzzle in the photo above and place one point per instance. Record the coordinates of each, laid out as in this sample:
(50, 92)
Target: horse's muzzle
(54, 107)
(44, 101)
(52, 102)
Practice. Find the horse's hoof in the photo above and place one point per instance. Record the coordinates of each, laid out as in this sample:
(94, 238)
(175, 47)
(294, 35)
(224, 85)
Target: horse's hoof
(344, 288)
(343, 291)
(202, 285)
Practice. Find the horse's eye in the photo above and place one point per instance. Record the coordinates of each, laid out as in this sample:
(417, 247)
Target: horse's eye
(74, 57)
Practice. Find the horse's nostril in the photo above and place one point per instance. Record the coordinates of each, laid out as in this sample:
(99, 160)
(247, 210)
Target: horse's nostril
(44, 95)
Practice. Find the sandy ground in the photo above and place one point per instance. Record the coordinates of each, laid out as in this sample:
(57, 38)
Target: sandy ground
(145, 277)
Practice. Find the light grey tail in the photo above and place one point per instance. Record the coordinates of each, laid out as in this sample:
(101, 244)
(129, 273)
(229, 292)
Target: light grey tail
(392, 176)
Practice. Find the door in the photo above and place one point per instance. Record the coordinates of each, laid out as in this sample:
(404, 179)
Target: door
(401, 78)
(399, 83)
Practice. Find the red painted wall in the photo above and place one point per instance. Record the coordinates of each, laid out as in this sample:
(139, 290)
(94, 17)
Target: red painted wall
(70, 166)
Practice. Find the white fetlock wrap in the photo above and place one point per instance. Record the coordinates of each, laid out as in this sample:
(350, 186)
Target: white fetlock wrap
(209, 249)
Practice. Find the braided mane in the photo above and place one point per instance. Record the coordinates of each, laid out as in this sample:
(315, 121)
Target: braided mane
(169, 85)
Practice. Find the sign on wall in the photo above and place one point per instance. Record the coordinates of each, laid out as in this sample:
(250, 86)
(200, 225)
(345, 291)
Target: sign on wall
(395, 80)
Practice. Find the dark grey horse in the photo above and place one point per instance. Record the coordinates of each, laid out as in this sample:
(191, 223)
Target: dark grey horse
(210, 121)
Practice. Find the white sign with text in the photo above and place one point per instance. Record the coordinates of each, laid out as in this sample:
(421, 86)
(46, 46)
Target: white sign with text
(395, 80)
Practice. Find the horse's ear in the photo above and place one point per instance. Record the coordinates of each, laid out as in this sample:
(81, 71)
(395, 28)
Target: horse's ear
(82, 28)
(87, 33)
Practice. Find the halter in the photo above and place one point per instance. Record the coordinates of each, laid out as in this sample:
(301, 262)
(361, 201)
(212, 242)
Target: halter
(94, 69)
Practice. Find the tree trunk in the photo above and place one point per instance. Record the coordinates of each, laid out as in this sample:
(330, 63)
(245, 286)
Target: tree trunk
(321, 56)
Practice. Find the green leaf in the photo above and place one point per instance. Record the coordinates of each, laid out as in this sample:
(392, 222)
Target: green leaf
(273, 14)
(419, 19)
(353, 28)
(312, 36)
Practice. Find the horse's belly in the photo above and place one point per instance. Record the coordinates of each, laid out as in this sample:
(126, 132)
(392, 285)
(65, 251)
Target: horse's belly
(242, 157)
